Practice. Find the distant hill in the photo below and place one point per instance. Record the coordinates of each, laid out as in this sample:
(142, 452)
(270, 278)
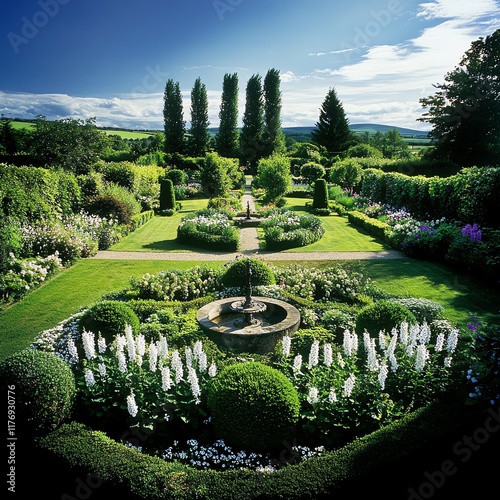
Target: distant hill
(371, 128)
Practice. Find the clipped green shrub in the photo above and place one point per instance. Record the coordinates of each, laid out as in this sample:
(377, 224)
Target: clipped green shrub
(177, 176)
(167, 195)
(236, 273)
(109, 207)
(383, 315)
(109, 318)
(424, 310)
(373, 226)
(254, 406)
(229, 205)
(44, 388)
(320, 198)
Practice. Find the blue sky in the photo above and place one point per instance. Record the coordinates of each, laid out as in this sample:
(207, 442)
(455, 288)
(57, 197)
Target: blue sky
(110, 59)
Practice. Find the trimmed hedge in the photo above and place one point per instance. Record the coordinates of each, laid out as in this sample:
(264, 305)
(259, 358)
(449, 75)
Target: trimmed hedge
(139, 220)
(150, 477)
(370, 225)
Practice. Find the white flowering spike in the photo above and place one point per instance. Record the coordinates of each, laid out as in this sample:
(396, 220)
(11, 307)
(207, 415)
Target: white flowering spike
(297, 363)
(140, 344)
(166, 380)
(188, 354)
(131, 348)
(212, 370)
(122, 361)
(131, 405)
(177, 366)
(371, 357)
(286, 345)
(163, 349)
(349, 385)
(425, 334)
(121, 342)
(328, 354)
(202, 362)
(195, 386)
(451, 343)
(390, 353)
(340, 360)
(153, 357)
(350, 343)
(314, 354)
(102, 369)
(439, 342)
(447, 361)
(88, 344)
(198, 350)
(382, 376)
(101, 345)
(313, 396)
(89, 377)
(403, 333)
(421, 357)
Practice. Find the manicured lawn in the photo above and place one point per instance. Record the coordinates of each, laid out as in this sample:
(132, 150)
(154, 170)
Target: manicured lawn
(340, 236)
(77, 287)
(160, 233)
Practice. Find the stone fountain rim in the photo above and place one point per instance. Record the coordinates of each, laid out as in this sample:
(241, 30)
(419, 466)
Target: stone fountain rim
(213, 309)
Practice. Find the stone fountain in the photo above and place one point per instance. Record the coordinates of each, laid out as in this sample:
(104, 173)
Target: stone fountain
(248, 324)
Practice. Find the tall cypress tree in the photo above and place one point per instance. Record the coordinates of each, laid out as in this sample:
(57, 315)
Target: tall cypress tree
(228, 136)
(200, 136)
(274, 139)
(175, 126)
(332, 130)
(251, 146)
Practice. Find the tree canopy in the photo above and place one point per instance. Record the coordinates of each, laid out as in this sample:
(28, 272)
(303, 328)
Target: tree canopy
(332, 130)
(173, 118)
(465, 110)
(228, 136)
(200, 136)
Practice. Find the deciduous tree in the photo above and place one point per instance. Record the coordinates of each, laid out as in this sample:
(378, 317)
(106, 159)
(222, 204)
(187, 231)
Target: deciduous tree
(465, 110)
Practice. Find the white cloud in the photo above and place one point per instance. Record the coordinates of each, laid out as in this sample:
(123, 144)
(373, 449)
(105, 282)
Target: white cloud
(457, 9)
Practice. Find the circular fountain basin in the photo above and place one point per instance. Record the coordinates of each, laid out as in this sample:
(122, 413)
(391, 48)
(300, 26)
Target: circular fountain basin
(226, 328)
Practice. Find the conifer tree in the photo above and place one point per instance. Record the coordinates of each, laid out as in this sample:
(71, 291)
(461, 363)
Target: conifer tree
(175, 127)
(332, 130)
(251, 146)
(200, 136)
(274, 139)
(228, 136)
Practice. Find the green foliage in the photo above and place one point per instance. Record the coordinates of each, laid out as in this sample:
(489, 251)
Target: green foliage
(346, 173)
(167, 195)
(109, 207)
(217, 175)
(237, 271)
(364, 151)
(230, 206)
(228, 137)
(273, 137)
(311, 171)
(320, 197)
(44, 388)
(391, 144)
(199, 135)
(303, 339)
(373, 226)
(273, 174)
(177, 176)
(383, 315)
(121, 173)
(173, 120)
(424, 310)
(109, 318)
(253, 406)
(71, 144)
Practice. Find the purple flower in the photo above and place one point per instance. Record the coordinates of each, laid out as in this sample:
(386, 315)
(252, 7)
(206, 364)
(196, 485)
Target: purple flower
(471, 327)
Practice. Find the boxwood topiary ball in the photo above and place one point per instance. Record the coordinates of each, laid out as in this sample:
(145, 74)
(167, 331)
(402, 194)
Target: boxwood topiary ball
(44, 389)
(109, 317)
(253, 406)
(383, 315)
(236, 274)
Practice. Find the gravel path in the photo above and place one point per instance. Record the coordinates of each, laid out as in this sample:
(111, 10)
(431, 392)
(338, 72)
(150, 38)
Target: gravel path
(249, 245)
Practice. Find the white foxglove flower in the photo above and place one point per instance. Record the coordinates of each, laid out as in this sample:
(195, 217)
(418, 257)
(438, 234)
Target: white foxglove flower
(297, 363)
(202, 362)
(177, 366)
(163, 348)
(328, 354)
(101, 345)
(89, 377)
(122, 361)
(425, 334)
(403, 333)
(198, 350)
(314, 354)
(140, 344)
(349, 385)
(371, 357)
(153, 356)
(131, 348)
(340, 360)
(421, 357)
(195, 386)
(131, 405)
(166, 380)
(312, 397)
(382, 376)
(332, 396)
(102, 369)
(188, 354)
(286, 344)
(88, 344)
(447, 361)
(350, 343)
(439, 342)
(451, 343)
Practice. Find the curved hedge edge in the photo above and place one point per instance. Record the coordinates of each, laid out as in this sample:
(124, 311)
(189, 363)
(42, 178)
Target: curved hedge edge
(152, 478)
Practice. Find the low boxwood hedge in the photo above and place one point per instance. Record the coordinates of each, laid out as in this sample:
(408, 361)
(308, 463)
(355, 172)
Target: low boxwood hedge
(149, 477)
(372, 226)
